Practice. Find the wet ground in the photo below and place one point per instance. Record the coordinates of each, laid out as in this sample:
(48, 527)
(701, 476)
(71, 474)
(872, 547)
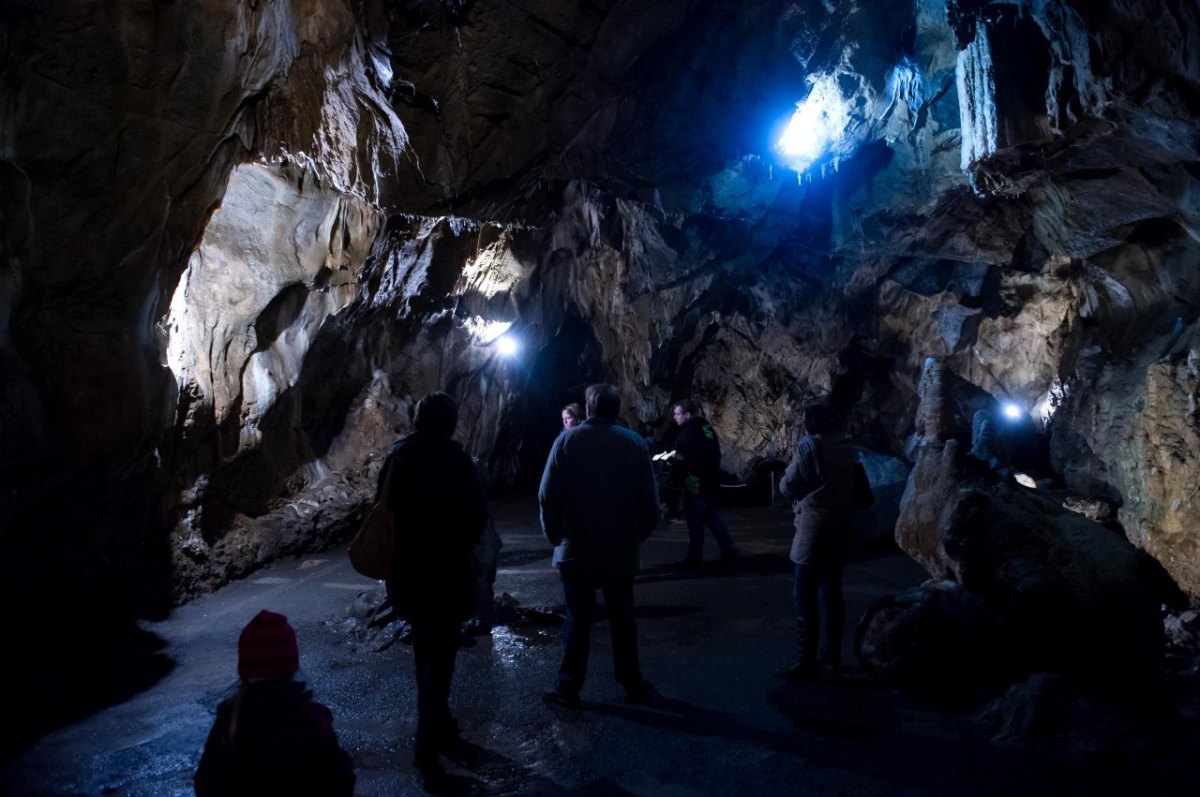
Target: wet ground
(710, 642)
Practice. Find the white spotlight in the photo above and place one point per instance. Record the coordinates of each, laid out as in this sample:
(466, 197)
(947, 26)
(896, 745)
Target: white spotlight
(507, 345)
(1011, 411)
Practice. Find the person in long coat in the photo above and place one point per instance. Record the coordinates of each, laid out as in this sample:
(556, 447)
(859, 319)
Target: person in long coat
(820, 481)
(440, 514)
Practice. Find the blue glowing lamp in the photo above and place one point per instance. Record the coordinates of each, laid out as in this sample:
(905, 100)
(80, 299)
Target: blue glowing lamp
(507, 345)
(1012, 411)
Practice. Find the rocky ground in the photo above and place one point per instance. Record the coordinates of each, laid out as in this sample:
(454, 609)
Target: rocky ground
(710, 642)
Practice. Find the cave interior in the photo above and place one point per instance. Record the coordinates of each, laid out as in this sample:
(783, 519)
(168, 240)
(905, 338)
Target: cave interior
(241, 240)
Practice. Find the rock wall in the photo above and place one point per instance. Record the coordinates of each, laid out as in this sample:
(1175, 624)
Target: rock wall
(1071, 595)
(132, 136)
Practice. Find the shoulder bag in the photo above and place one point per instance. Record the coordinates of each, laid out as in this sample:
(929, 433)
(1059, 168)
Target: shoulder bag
(371, 548)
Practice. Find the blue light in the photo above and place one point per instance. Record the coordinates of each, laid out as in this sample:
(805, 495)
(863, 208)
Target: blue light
(1012, 411)
(507, 345)
(818, 122)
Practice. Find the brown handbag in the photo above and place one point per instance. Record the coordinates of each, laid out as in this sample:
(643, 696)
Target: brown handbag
(371, 548)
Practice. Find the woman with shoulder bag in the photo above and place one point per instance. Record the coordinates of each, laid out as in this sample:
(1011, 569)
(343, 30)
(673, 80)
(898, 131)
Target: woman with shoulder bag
(824, 482)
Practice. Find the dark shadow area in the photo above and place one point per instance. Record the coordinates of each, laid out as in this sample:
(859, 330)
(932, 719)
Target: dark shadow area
(527, 556)
(558, 376)
(764, 564)
(904, 738)
(880, 745)
(601, 788)
(666, 612)
(491, 773)
(1021, 56)
(83, 558)
(67, 672)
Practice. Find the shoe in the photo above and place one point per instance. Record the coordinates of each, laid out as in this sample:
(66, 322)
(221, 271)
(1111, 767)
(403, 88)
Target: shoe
(557, 697)
(800, 671)
(729, 555)
(640, 693)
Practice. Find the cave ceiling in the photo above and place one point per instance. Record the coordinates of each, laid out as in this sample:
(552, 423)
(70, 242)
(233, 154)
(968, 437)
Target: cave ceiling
(240, 240)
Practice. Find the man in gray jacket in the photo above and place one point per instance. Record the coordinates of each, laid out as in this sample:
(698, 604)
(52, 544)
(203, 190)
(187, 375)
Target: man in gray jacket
(598, 502)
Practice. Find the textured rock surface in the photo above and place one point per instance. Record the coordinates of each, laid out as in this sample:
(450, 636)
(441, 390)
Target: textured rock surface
(939, 641)
(351, 200)
(120, 128)
(1074, 596)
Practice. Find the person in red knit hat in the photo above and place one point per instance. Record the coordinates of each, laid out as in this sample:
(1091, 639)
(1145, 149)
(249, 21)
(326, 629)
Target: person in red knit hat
(271, 737)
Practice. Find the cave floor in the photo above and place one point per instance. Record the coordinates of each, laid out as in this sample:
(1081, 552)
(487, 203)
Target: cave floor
(710, 642)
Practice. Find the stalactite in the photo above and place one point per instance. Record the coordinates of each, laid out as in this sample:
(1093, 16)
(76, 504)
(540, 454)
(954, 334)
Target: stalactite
(976, 98)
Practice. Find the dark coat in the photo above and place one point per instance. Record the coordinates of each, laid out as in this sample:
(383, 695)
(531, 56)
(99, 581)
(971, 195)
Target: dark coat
(272, 739)
(820, 482)
(440, 513)
(697, 462)
(598, 497)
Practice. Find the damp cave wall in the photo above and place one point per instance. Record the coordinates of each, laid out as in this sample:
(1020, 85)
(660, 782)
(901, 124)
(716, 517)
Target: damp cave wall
(241, 240)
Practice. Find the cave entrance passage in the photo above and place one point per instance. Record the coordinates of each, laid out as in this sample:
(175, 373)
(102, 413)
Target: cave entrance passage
(558, 375)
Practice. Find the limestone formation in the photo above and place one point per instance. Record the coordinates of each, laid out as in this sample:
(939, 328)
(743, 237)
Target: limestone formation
(1073, 595)
(939, 641)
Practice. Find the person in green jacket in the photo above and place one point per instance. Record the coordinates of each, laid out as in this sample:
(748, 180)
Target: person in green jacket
(697, 472)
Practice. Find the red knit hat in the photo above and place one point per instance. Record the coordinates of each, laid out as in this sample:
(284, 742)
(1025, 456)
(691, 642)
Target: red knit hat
(267, 648)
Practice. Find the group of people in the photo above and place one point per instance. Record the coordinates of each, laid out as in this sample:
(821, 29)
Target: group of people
(598, 502)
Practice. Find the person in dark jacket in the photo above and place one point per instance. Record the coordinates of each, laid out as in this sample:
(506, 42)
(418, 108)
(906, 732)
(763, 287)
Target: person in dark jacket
(820, 481)
(697, 473)
(440, 514)
(598, 502)
(271, 738)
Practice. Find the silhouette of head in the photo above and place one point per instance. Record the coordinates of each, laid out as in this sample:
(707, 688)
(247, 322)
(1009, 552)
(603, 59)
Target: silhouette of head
(820, 417)
(267, 648)
(602, 401)
(437, 413)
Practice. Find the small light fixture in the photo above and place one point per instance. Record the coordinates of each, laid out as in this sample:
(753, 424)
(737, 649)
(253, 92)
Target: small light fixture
(1012, 411)
(507, 345)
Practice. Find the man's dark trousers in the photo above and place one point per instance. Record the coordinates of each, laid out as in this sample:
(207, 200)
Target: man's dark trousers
(701, 511)
(579, 589)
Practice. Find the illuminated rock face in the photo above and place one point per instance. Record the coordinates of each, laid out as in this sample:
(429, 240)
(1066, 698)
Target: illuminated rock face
(121, 129)
(348, 201)
(1073, 595)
